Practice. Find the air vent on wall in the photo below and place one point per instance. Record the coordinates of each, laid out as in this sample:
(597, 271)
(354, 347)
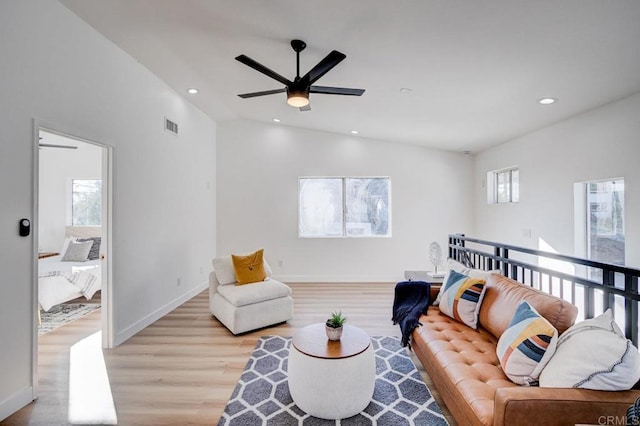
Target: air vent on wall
(170, 126)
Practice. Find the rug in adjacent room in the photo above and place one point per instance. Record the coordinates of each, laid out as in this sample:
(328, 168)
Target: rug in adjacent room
(262, 395)
(63, 314)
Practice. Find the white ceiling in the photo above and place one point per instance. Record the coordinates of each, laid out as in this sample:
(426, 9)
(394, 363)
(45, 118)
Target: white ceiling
(476, 67)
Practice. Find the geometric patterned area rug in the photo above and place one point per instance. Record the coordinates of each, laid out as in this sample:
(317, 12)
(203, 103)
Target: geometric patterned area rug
(262, 397)
(62, 314)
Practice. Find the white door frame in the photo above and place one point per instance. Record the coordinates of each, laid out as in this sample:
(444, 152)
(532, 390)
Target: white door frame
(108, 319)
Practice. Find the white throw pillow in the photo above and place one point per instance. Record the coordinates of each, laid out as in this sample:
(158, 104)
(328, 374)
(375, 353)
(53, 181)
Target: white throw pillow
(454, 265)
(225, 273)
(77, 251)
(593, 354)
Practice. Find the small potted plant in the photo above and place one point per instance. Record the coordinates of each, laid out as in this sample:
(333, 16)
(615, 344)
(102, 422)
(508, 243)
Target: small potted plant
(334, 325)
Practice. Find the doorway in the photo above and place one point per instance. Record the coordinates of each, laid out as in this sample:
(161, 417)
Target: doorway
(72, 213)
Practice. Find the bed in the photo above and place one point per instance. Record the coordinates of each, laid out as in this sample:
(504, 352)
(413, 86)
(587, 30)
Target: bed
(61, 281)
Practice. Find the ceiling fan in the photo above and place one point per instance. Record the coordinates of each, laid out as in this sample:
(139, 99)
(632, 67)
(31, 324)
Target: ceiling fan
(298, 90)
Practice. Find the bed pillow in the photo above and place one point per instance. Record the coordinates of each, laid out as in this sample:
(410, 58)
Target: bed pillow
(65, 244)
(593, 354)
(250, 268)
(526, 346)
(94, 253)
(453, 265)
(462, 297)
(77, 251)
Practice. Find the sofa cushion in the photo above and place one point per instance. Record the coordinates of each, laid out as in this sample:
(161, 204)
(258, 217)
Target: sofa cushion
(526, 346)
(461, 298)
(225, 274)
(464, 361)
(255, 293)
(454, 265)
(502, 297)
(250, 268)
(593, 354)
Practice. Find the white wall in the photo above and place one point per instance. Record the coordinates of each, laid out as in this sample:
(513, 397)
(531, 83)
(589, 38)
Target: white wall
(599, 144)
(257, 200)
(58, 166)
(57, 69)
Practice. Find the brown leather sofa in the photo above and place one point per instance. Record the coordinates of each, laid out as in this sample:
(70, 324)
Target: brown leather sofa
(464, 367)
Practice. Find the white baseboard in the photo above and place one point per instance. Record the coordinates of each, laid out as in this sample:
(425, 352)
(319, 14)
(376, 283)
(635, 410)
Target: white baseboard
(15, 402)
(339, 278)
(124, 335)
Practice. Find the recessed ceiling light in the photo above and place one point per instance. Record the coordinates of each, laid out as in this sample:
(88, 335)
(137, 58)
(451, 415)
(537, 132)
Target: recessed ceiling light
(192, 91)
(405, 90)
(354, 132)
(275, 120)
(547, 101)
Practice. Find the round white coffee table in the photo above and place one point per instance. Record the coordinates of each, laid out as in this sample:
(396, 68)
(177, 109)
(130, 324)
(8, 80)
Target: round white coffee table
(331, 380)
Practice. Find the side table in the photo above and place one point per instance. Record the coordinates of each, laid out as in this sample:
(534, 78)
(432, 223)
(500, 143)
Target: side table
(331, 379)
(425, 276)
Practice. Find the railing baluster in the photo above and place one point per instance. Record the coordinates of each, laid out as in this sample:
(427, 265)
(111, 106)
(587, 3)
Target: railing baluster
(589, 303)
(608, 278)
(631, 308)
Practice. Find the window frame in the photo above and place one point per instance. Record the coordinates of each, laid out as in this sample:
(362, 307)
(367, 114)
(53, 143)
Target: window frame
(493, 185)
(345, 233)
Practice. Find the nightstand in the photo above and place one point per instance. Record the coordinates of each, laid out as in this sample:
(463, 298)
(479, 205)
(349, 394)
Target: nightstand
(47, 254)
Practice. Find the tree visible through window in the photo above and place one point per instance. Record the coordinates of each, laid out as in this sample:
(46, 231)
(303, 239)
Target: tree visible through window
(86, 202)
(344, 207)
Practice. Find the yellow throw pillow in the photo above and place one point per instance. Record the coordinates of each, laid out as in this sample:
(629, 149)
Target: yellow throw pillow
(249, 268)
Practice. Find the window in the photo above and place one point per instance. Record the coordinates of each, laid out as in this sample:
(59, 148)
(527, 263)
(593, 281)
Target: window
(86, 202)
(503, 186)
(344, 207)
(605, 221)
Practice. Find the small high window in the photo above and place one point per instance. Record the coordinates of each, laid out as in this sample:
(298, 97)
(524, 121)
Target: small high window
(503, 186)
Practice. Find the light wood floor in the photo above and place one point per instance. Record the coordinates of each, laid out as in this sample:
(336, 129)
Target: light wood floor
(183, 368)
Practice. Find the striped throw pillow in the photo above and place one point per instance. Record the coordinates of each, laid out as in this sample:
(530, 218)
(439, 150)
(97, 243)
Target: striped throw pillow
(526, 346)
(462, 297)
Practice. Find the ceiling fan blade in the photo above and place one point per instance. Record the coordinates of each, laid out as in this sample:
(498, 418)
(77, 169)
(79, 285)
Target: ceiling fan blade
(324, 66)
(263, 93)
(307, 107)
(261, 68)
(51, 145)
(336, 90)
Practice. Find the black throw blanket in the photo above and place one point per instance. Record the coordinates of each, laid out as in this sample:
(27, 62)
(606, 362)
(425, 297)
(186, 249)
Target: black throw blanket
(410, 301)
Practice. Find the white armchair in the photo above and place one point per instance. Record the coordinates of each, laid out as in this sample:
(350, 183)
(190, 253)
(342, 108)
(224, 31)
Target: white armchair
(247, 307)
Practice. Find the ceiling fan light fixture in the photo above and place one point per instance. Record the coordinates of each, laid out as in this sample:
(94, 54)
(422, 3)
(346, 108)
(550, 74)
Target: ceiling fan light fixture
(298, 99)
